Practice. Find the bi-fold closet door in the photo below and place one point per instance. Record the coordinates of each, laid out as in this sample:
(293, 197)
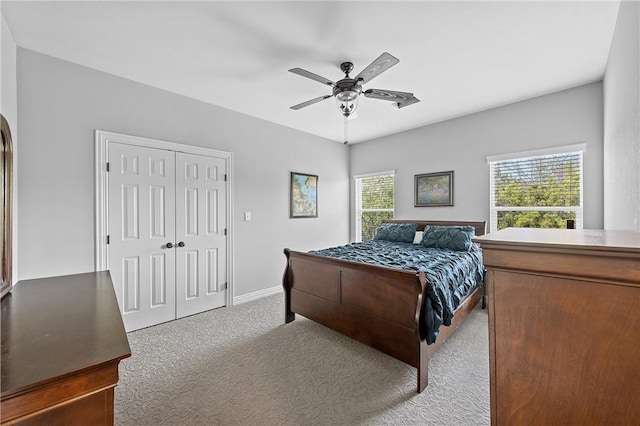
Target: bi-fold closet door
(167, 233)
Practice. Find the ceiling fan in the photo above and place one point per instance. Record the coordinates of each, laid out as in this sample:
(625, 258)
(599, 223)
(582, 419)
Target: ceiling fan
(348, 90)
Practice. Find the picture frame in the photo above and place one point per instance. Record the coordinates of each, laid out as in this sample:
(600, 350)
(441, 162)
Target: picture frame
(434, 189)
(303, 198)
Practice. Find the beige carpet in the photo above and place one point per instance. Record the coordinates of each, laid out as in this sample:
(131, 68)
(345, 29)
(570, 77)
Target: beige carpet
(244, 366)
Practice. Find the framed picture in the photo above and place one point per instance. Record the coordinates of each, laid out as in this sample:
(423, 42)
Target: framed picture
(304, 195)
(434, 189)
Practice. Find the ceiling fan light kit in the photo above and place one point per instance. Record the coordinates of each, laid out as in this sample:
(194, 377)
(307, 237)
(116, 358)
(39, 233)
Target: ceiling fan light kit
(348, 90)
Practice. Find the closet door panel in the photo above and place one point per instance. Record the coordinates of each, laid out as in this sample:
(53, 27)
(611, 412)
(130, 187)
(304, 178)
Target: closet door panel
(141, 223)
(201, 227)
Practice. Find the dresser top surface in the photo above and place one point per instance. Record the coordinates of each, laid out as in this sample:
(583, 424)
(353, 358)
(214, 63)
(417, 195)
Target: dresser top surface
(588, 239)
(53, 327)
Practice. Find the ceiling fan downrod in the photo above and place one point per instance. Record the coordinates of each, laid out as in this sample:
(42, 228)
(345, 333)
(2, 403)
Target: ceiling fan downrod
(346, 68)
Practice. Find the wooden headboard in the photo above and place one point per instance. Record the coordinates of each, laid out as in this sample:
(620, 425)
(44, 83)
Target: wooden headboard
(480, 227)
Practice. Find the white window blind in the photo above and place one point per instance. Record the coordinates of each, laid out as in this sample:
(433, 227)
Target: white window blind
(539, 191)
(374, 201)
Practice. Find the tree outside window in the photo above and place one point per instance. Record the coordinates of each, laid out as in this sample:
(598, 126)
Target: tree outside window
(542, 191)
(374, 203)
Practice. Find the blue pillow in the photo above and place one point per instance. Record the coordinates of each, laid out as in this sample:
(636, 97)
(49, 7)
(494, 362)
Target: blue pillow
(396, 232)
(448, 237)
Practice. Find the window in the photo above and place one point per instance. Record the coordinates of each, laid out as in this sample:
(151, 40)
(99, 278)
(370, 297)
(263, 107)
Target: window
(537, 189)
(374, 202)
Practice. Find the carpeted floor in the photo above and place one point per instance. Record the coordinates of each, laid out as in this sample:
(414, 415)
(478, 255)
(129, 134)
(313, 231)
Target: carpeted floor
(243, 366)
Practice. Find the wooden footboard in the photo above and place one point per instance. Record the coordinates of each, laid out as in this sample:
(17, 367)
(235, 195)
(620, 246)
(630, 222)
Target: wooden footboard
(378, 306)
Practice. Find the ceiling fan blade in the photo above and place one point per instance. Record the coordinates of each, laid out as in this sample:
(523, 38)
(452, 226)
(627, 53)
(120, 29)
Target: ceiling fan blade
(312, 76)
(311, 102)
(377, 67)
(411, 101)
(388, 95)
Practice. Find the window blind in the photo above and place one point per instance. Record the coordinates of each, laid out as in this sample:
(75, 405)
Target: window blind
(542, 191)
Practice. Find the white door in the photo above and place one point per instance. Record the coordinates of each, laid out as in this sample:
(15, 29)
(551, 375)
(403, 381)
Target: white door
(200, 233)
(142, 223)
(167, 233)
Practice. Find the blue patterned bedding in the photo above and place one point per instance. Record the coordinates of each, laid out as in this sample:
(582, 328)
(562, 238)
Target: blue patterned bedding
(452, 274)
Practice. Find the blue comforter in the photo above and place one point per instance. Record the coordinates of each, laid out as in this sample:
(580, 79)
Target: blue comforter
(452, 274)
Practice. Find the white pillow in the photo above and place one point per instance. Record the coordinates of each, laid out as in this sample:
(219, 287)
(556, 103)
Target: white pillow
(417, 238)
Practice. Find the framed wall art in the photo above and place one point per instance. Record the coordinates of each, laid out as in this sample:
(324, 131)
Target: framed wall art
(434, 189)
(304, 195)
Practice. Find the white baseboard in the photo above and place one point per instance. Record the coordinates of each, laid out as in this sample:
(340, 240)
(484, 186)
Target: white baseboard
(258, 294)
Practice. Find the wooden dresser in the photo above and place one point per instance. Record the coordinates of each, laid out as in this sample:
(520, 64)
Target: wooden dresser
(62, 341)
(564, 326)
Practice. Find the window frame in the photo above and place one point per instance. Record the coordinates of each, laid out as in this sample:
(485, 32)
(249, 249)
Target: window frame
(357, 199)
(565, 149)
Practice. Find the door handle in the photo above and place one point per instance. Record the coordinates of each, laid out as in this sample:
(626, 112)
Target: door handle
(169, 245)
(181, 244)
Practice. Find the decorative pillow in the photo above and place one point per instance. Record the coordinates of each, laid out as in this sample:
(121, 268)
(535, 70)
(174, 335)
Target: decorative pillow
(417, 239)
(448, 237)
(397, 232)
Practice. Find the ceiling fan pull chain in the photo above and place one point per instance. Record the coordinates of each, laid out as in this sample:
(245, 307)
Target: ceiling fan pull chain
(346, 130)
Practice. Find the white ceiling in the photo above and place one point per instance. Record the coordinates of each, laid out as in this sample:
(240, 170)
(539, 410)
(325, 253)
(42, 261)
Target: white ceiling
(457, 57)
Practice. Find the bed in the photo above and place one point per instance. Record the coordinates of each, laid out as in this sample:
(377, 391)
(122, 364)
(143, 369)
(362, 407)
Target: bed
(386, 308)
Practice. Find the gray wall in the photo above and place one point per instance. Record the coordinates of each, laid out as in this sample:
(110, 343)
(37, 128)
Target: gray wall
(60, 104)
(462, 145)
(622, 123)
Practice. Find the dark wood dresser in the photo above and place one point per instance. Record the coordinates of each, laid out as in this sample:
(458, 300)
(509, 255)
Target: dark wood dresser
(62, 341)
(564, 326)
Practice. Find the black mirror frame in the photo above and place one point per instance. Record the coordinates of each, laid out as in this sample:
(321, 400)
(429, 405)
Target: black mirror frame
(6, 210)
